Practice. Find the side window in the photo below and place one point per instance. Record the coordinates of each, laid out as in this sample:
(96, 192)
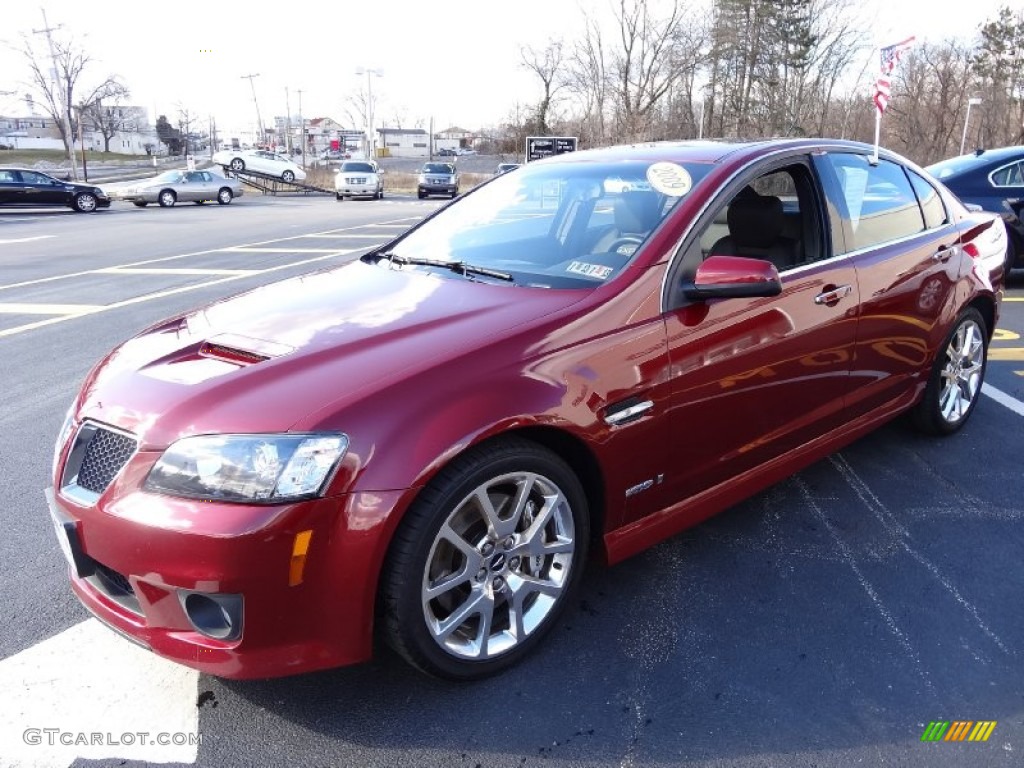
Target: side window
(773, 218)
(1009, 176)
(931, 202)
(879, 202)
(6, 177)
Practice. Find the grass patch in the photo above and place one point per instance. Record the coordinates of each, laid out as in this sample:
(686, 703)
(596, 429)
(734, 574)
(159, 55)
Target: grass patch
(58, 157)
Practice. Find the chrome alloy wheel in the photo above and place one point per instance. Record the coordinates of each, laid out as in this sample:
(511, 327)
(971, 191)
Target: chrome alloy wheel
(962, 373)
(498, 565)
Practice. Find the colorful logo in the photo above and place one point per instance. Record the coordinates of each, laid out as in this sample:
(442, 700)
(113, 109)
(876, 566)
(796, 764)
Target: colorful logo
(958, 730)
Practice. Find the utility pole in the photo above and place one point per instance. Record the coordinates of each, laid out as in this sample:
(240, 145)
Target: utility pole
(64, 101)
(302, 130)
(287, 123)
(259, 120)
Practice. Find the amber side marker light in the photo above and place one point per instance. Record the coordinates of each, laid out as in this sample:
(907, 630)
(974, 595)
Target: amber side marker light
(298, 564)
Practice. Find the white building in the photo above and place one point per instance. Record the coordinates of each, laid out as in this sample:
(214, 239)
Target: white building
(404, 142)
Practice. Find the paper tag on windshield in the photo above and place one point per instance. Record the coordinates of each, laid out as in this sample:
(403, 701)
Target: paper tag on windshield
(670, 179)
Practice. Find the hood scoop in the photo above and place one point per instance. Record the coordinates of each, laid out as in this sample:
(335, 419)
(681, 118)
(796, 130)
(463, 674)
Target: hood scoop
(241, 350)
(216, 356)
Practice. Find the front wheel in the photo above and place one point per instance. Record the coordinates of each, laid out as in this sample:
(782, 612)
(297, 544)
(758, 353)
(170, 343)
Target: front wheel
(237, 164)
(485, 560)
(85, 202)
(140, 204)
(954, 385)
(288, 176)
(225, 196)
(167, 198)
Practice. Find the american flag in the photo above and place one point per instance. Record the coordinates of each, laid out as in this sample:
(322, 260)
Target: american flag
(890, 58)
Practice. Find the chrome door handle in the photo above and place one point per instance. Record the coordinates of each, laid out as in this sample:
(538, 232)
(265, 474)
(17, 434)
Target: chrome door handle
(944, 253)
(833, 295)
(621, 413)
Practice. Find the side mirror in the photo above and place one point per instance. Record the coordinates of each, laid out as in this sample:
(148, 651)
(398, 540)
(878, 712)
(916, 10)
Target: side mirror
(733, 277)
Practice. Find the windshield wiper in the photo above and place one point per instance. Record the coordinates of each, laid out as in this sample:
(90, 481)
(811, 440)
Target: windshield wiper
(454, 266)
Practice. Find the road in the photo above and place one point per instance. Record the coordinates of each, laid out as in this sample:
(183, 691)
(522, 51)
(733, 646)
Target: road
(825, 622)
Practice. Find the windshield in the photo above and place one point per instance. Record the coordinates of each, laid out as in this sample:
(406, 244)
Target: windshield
(438, 168)
(556, 225)
(169, 177)
(357, 167)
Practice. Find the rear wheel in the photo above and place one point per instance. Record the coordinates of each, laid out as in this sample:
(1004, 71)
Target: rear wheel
(485, 560)
(237, 164)
(85, 202)
(1011, 252)
(954, 385)
(167, 198)
(140, 204)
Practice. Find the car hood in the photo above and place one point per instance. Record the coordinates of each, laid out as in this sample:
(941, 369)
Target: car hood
(263, 360)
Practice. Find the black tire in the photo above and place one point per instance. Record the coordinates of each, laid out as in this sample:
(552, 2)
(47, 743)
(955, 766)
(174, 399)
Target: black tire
(1011, 253)
(288, 176)
(167, 198)
(946, 406)
(85, 202)
(421, 195)
(237, 164)
(499, 568)
(339, 198)
(455, 193)
(380, 194)
(225, 196)
(140, 204)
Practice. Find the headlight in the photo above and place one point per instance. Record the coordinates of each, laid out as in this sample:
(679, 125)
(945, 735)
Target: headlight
(423, 179)
(267, 468)
(62, 436)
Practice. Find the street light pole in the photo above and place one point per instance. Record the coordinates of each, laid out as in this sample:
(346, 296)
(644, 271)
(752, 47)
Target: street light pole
(371, 140)
(259, 120)
(971, 102)
(302, 130)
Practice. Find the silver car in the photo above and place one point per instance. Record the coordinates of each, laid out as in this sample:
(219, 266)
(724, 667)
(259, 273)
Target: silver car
(171, 187)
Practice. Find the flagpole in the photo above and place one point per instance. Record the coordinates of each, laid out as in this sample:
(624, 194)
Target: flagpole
(878, 133)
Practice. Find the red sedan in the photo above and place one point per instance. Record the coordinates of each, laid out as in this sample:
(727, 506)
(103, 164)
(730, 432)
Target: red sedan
(577, 359)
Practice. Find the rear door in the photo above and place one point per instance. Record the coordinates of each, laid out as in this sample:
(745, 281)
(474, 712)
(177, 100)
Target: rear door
(903, 245)
(39, 189)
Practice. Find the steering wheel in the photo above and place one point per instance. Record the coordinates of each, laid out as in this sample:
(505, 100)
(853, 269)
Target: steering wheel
(618, 243)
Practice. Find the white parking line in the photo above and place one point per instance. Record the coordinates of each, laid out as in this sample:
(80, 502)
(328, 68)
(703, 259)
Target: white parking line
(47, 309)
(345, 236)
(172, 271)
(162, 294)
(250, 249)
(24, 239)
(1002, 398)
(67, 275)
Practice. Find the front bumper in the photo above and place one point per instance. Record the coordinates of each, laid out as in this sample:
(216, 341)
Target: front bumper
(437, 189)
(156, 568)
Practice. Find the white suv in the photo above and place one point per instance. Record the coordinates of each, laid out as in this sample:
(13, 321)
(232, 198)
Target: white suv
(359, 178)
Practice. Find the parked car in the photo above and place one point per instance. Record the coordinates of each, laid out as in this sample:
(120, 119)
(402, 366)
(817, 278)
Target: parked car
(446, 152)
(359, 178)
(465, 151)
(178, 186)
(505, 168)
(425, 444)
(994, 180)
(262, 162)
(438, 179)
(33, 189)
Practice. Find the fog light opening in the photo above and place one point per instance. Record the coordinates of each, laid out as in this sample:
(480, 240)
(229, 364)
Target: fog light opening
(218, 617)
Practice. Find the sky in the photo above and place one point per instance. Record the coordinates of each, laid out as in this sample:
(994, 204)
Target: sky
(457, 63)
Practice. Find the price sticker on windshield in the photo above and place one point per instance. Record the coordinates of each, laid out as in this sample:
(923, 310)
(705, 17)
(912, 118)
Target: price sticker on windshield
(670, 179)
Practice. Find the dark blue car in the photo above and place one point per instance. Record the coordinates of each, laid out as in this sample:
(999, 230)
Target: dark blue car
(994, 180)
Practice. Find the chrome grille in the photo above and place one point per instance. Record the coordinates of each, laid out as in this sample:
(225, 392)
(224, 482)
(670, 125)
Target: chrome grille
(106, 454)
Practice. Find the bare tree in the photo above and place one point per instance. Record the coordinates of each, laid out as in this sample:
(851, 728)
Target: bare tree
(548, 65)
(109, 116)
(641, 69)
(58, 93)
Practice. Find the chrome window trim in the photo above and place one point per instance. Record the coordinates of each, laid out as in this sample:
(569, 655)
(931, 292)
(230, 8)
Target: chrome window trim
(1019, 161)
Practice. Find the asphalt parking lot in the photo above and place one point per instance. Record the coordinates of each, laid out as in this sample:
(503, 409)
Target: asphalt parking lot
(825, 622)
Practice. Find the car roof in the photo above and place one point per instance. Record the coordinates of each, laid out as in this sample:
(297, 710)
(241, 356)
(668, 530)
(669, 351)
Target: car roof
(698, 150)
(981, 160)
